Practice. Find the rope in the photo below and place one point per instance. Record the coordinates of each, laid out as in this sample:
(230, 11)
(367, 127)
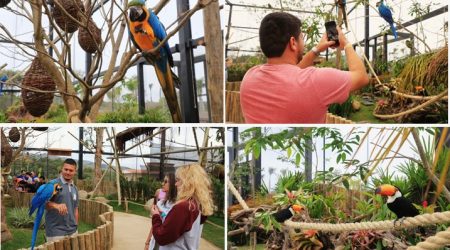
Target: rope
(415, 97)
(419, 220)
(415, 109)
(441, 239)
(237, 195)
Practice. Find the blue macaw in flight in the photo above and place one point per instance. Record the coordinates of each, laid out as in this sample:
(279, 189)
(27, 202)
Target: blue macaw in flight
(146, 32)
(42, 196)
(386, 14)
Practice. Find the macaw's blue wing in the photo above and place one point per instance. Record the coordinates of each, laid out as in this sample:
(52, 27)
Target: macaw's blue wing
(160, 33)
(386, 14)
(43, 194)
(3, 79)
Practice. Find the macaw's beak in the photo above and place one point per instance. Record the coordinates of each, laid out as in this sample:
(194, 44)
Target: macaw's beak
(386, 190)
(57, 189)
(135, 13)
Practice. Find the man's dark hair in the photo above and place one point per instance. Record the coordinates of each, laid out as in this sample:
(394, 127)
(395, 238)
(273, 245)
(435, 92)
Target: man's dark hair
(70, 161)
(42, 177)
(275, 32)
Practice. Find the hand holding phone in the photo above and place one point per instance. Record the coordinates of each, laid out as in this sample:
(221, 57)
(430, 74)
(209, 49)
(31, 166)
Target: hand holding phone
(332, 33)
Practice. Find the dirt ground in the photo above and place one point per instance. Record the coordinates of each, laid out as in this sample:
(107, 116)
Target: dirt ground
(131, 231)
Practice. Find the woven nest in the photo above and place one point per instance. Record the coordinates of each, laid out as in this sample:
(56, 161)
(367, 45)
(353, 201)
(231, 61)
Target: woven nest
(87, 42)
(63, 20)
(37, 103)
(6, 151)
(3, 3)
(14, 134)
(40, 128)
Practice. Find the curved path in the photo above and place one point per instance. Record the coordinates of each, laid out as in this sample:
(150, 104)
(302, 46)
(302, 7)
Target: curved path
(131, 231)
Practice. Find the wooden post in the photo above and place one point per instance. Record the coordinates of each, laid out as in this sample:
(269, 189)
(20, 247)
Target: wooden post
(74, 242)
(66, 243)
(59, 245)
(81, 242)
(51, 246)
(214, 59)
(97, 239)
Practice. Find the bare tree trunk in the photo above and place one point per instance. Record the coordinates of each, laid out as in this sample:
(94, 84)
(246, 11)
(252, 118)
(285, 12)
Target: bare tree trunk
(214, 59)
(202, 159)
(98, 154)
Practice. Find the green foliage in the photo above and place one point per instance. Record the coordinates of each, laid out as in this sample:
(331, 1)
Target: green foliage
(3, 118)
(290, 181)
(218, 194)
(56, 114)
(266, 219)
(240, 65)
(130, 115)
(344, 109)
(19, 218)
(141, 190)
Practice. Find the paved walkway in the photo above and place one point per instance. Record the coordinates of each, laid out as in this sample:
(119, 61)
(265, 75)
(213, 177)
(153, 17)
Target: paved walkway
(131, 231)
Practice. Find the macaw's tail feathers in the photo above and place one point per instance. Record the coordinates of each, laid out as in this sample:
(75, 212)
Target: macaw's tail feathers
(176, 80)
(37, 223)
(394, 30)
(168, 86)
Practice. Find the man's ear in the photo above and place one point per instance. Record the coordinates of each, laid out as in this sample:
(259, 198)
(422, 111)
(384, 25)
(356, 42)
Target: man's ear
(292, 43)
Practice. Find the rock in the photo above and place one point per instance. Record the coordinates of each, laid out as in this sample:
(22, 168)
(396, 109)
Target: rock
(82, 194)
(101, 199)
(6, 234)
(356, 105)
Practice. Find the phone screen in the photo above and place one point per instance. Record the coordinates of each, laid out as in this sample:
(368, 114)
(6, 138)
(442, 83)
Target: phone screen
(332, 32)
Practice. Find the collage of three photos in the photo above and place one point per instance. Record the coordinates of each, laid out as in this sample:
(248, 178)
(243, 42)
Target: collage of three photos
(216, 124)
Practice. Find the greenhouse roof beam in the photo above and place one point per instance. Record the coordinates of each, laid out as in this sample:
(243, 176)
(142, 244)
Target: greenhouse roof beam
(269, 8)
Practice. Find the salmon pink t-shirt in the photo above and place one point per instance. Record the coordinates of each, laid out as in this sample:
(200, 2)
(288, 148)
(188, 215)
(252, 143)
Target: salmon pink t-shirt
(285, 93)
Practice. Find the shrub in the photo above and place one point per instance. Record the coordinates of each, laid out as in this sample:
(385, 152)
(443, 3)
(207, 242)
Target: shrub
(19, 218)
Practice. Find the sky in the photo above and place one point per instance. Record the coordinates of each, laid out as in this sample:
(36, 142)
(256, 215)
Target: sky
(269, 157)
(432, 28)
(59, 137)
(23, 30)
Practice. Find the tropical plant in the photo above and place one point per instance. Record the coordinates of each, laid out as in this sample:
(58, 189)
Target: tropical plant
(19, 218)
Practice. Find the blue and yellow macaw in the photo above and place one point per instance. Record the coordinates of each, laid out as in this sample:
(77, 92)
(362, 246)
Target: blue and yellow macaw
(146, 32)
(386, 14)
(42, 196)
(3, 79)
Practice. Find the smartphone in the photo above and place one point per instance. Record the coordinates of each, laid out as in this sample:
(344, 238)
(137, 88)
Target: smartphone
(332, 32)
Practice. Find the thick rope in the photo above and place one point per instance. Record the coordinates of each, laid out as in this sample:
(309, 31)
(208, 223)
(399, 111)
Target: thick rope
(439, 240)
(416, 108)
(237, 195)
(419, 220)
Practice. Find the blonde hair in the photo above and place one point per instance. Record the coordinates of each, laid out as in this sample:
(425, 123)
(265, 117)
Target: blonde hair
(195, 184)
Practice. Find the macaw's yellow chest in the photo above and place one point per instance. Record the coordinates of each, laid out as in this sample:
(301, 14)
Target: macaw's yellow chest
(143, 34)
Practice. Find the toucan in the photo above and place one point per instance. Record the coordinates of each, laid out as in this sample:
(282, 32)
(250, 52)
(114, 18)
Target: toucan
(287, 213)
(399, 205)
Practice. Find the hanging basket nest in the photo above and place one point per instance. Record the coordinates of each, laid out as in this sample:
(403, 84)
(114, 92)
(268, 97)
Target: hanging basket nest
(3, 3)
(65, 22)
(14, 134)
(37, 103)
(90, 39)
(6, 151)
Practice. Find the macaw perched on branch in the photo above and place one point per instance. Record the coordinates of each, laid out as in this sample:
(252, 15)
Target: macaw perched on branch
(42, 196)
(146, 32)
(386, 14)
(341, 5)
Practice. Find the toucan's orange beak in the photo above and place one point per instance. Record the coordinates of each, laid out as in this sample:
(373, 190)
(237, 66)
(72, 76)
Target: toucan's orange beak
(298, 208)
(386, 190)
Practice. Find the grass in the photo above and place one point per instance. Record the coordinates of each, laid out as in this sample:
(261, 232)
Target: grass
(22, 236)
(211, 233)
(365, 114)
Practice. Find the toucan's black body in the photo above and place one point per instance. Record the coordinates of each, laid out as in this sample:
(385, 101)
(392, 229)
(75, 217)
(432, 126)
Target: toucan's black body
(403, 207)
(283, 215)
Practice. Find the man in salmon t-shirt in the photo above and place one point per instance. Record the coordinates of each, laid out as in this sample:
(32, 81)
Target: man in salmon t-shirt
(287, 89)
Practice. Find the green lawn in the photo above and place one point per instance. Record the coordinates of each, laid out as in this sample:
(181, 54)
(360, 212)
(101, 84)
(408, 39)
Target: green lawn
(22, 237)
(364, 115)
(132, 208)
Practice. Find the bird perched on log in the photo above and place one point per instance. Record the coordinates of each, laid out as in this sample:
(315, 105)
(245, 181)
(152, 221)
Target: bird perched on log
(44, 194)
(386, 14)
(342, 5)
(286, 213)
(146, 32)
(399, 205)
